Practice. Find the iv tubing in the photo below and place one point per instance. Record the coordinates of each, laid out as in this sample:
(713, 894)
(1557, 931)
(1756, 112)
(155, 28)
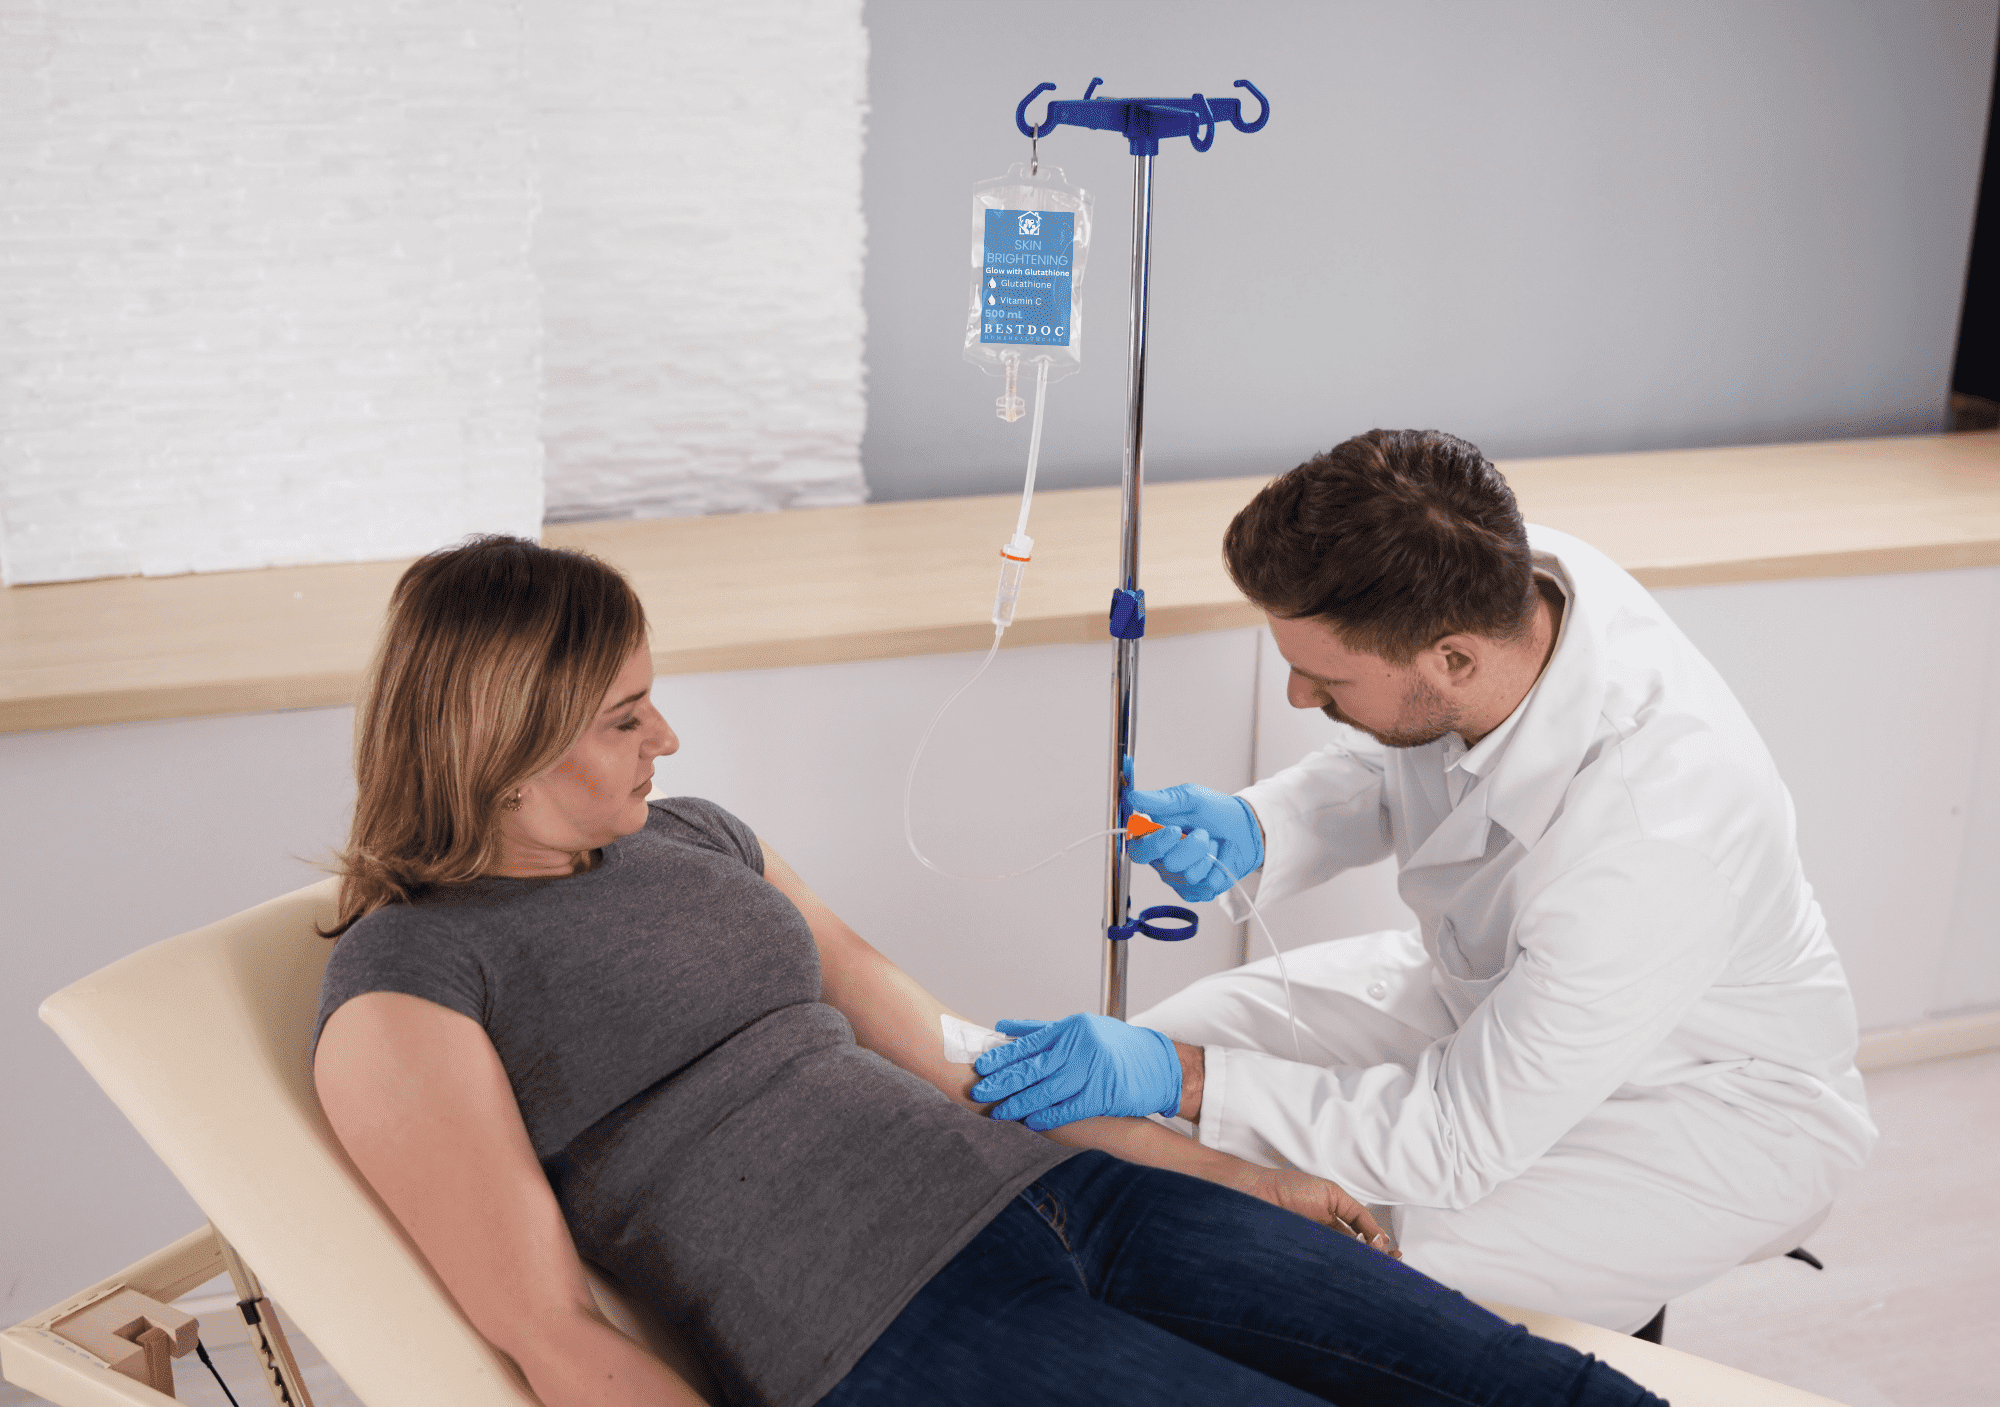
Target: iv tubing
(1020, 547)
(910, 784)
(1011, 571)
(1034, 445)
(1291, 1011)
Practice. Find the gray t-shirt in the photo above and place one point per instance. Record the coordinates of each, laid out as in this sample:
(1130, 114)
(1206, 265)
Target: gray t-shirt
(716, 1139)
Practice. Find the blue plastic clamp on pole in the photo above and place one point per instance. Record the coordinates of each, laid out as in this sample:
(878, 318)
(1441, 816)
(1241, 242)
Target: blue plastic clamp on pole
(1128, 614)
(1145, 122)
(1191, 922)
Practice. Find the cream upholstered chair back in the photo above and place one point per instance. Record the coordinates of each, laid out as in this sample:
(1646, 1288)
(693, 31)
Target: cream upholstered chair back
(202, 1042)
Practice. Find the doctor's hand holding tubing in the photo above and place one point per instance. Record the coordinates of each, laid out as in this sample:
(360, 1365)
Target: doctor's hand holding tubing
(1207, 841)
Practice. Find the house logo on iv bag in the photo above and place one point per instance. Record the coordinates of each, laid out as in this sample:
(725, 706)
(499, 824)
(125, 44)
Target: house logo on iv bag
(1031, 223)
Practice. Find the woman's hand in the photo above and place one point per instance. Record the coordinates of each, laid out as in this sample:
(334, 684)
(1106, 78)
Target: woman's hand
(1316, 1199)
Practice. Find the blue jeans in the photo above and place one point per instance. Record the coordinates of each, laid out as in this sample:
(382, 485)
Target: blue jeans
(1106, 1282)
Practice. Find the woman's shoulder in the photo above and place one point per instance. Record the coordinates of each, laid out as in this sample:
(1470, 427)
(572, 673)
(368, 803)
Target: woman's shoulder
(696, 821)
(413, 948)
(431, 931)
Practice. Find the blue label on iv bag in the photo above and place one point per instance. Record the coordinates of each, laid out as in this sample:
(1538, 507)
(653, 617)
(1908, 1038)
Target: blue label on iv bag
(1030, 257)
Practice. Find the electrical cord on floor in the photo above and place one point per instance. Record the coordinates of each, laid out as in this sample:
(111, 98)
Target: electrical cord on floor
(201, 1352)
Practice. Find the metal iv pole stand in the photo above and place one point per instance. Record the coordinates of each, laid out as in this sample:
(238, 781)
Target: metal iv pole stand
(1144, 123)
(1125, 677)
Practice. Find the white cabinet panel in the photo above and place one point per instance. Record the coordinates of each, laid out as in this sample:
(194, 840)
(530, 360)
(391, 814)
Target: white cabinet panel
(1970, 977)
(1871, 694)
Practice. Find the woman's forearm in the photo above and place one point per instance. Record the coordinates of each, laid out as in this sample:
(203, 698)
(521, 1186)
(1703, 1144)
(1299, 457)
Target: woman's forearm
(580, 1361)
(1143, 1141)
(889, 1010)
(1315, 1198)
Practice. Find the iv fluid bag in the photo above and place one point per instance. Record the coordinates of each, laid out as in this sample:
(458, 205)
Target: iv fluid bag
(1030, 234)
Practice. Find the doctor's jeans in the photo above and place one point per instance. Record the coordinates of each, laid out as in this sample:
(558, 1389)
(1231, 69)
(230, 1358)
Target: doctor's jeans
(1105, 1282)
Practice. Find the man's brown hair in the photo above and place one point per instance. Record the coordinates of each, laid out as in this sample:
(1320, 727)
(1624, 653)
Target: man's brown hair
(1395, 538)
(495, 656)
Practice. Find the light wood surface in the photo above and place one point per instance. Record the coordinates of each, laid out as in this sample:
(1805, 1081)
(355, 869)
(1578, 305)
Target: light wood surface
(881, 580)
(1681, 1378)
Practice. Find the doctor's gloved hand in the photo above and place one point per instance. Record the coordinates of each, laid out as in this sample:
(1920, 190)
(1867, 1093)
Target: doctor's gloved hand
(1202, 828)
(1057, 1072)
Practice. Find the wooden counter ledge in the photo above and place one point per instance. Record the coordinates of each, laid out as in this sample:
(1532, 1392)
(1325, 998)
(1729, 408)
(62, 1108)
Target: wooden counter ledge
(817, 585)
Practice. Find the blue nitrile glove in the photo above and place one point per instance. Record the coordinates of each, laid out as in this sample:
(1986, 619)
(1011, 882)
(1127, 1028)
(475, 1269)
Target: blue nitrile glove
(1077, 1068)
(1202, 826)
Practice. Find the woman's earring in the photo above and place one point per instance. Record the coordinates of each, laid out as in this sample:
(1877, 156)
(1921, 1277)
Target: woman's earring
(512, 803)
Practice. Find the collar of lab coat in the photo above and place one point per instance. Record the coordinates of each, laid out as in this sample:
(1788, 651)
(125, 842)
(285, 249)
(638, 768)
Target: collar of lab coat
(1556, 723)
(1525, 765)
(1480, 760)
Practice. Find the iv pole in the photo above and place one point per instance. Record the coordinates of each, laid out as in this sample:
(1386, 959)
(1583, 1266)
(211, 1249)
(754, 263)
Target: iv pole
(1125, 671)
(1144, 122)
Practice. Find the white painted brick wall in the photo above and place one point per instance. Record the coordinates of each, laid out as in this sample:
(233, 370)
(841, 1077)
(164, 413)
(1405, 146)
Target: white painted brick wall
(265, 294)
(700, 252)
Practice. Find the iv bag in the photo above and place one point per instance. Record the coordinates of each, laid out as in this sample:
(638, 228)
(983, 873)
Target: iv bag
(1030, 233)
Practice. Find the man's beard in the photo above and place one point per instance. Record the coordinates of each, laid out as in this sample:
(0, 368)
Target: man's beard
(1424, 718)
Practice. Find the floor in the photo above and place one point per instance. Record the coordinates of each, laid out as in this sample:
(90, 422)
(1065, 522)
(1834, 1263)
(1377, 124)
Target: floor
(1906, 1313)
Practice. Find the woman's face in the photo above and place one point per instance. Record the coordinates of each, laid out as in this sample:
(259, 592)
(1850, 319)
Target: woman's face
(597, 790)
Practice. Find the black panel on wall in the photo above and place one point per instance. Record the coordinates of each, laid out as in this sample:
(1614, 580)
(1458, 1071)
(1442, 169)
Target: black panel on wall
(1977, 370)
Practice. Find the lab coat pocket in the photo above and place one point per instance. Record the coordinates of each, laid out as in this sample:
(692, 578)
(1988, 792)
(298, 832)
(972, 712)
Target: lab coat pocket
(1453, 975)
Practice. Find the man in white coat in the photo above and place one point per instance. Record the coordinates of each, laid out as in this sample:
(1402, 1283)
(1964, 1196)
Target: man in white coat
(1617, 1056)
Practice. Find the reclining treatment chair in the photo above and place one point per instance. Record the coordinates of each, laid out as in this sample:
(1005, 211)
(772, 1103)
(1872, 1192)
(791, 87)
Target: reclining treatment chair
(201, 1041)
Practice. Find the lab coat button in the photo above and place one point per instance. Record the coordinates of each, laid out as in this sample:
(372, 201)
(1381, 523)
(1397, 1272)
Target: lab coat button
(1378, 990)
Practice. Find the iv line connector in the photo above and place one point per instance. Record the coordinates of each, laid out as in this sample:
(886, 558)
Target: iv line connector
(1011, 407)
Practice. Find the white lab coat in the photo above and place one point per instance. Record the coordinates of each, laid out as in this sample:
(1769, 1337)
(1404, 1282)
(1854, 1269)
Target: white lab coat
(1618, 1056)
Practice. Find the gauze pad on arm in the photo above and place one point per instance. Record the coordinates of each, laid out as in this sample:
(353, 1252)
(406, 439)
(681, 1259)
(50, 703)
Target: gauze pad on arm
(965, 1042)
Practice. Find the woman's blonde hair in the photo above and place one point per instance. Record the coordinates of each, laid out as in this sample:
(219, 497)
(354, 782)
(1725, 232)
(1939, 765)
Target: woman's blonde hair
(496, 654)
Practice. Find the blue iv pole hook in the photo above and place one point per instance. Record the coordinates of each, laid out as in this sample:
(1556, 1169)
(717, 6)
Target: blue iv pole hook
(1263, 109)
(1021, 112)
(1195, 139)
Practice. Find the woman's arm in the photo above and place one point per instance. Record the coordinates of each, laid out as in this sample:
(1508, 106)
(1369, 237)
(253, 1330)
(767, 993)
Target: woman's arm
(897, 1019)
(891, 1015)
(1311, 1196)
(418, 1097)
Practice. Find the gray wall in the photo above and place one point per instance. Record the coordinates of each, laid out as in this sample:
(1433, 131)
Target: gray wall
(112, 839)
(1554, 227)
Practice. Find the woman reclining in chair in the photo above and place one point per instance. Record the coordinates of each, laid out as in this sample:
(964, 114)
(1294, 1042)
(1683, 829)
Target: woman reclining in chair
(564, 1024)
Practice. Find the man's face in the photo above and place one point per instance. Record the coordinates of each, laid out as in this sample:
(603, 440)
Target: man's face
(1393, 703)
